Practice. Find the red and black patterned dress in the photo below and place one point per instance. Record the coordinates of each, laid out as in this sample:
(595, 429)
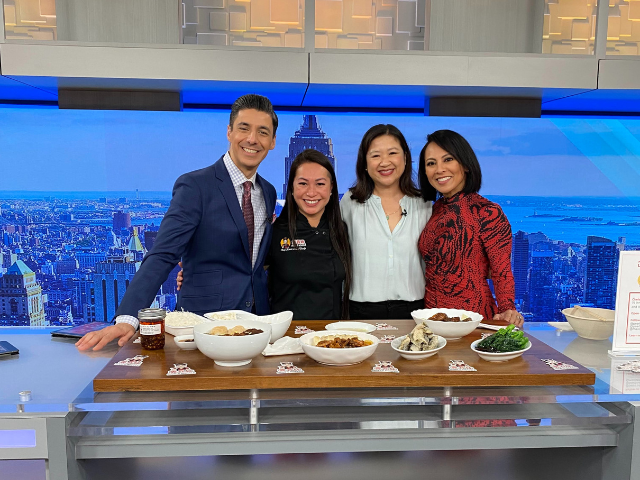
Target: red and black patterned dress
(466, 237)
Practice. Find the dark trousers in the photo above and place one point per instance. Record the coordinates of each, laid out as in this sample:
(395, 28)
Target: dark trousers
(388, 310)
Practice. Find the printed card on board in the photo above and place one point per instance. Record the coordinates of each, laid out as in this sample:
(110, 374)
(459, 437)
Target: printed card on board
(626, 330)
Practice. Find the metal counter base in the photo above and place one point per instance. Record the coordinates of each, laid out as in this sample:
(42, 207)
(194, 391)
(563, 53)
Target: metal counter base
(289, 445)
(547, 464)
(337, 442)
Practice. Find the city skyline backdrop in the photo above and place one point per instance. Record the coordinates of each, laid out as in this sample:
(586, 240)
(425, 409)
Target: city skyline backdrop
(78, 219)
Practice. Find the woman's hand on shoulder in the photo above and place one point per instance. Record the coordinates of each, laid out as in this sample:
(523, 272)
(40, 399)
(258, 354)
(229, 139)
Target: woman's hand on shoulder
(179, 277)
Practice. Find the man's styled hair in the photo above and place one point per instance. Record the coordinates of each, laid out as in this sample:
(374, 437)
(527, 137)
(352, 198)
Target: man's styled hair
(253, 102)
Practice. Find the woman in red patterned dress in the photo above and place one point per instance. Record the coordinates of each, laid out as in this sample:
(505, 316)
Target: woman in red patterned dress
(468, 238)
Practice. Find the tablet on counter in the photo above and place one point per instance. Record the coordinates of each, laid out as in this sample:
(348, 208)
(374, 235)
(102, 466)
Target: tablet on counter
(79, 331)
(7, 349)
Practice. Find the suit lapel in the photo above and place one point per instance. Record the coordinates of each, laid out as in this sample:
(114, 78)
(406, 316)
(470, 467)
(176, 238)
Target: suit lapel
(228, 192)
(270, 205)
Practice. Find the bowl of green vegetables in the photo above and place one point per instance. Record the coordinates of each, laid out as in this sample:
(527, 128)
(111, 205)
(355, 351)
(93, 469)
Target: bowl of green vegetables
(506, 344)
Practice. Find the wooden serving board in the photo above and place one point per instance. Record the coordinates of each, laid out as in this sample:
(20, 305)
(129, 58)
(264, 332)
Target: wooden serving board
(527, 370)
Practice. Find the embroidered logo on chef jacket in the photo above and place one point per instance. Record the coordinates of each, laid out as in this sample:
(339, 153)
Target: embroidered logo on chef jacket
(286, 244)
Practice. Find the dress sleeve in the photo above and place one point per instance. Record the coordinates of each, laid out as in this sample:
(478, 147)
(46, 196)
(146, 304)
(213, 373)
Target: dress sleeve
(495, 235)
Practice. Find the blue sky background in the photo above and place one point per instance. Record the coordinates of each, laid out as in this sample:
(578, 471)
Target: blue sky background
(46, 149)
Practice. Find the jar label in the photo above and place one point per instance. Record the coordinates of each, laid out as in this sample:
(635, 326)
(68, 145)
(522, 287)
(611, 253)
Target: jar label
(155, 329)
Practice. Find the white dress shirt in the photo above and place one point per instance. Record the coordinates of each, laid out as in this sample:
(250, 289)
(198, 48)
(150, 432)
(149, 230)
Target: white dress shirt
(386, 265)
(257, 201)
(259, 217)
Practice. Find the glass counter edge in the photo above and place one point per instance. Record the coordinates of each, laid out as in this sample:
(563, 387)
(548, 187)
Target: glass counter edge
(167, 405)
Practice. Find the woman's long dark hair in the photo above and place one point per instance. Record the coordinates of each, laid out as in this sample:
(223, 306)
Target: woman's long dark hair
(337, 228)
(458, 147)
(363, 188)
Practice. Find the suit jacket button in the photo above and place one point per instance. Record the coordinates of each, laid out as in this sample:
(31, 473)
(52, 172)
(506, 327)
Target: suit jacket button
(247, 304)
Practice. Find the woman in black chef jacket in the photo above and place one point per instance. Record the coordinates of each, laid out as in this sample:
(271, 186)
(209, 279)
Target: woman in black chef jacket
(309, 259)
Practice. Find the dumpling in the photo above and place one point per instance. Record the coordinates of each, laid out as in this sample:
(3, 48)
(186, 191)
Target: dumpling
(219, 330)
(236, 329)
(405, 344)
(433, 342)
(418, 335)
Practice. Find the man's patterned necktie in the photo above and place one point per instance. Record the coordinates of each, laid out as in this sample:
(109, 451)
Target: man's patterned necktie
(247, 213)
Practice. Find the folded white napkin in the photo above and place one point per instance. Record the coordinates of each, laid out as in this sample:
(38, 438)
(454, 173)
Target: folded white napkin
(283, 346)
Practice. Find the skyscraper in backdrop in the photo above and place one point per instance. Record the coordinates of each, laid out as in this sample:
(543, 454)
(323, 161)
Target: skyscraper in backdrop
(110, 281)
(121, 221)
(542, 293)
(310, 135)
(21, 296)
(520, 266)
(602, 272)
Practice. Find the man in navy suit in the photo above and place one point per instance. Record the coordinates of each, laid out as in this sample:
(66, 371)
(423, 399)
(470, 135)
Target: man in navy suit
(219, 224)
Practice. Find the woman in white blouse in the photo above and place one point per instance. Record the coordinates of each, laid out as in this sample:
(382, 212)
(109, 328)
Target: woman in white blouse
(385, 215)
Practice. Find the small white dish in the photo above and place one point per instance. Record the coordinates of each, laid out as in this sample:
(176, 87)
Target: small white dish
(280, 322)
(181, 343)
(499, 357)
(496, 327)
(351, 327)
(417, 355)
(448, 330)
(562, 326)
(178, 331)
(338, 356)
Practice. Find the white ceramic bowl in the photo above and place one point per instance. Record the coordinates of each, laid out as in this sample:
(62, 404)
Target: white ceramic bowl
(448, 330)
(588, 326)
(279, 322)
(351, 327)
(176, 331)
(338, 356)
(231, 351)
(179, 341)
(498, 357)
(417, 355)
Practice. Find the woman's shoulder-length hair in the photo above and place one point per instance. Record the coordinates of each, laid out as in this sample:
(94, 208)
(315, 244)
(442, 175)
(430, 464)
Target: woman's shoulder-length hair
(362, 189)
(459, 148)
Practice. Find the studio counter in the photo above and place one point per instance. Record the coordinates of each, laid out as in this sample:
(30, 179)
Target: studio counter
(68, 431)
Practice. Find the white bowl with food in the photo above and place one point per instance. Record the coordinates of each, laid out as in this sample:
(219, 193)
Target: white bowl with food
(417, 355)
(591, 323)
(231, 351)
(450, 330)
(185, 342)
(181, 322)
(338, 356)
(498, 357)
(280, 322)
(351, 326)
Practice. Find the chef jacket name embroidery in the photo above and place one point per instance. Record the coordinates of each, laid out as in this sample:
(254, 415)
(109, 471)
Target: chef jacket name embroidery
(286, 244)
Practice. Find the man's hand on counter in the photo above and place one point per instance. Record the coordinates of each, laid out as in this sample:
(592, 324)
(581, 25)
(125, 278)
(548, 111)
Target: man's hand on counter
(510, 316)
(100, 338)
